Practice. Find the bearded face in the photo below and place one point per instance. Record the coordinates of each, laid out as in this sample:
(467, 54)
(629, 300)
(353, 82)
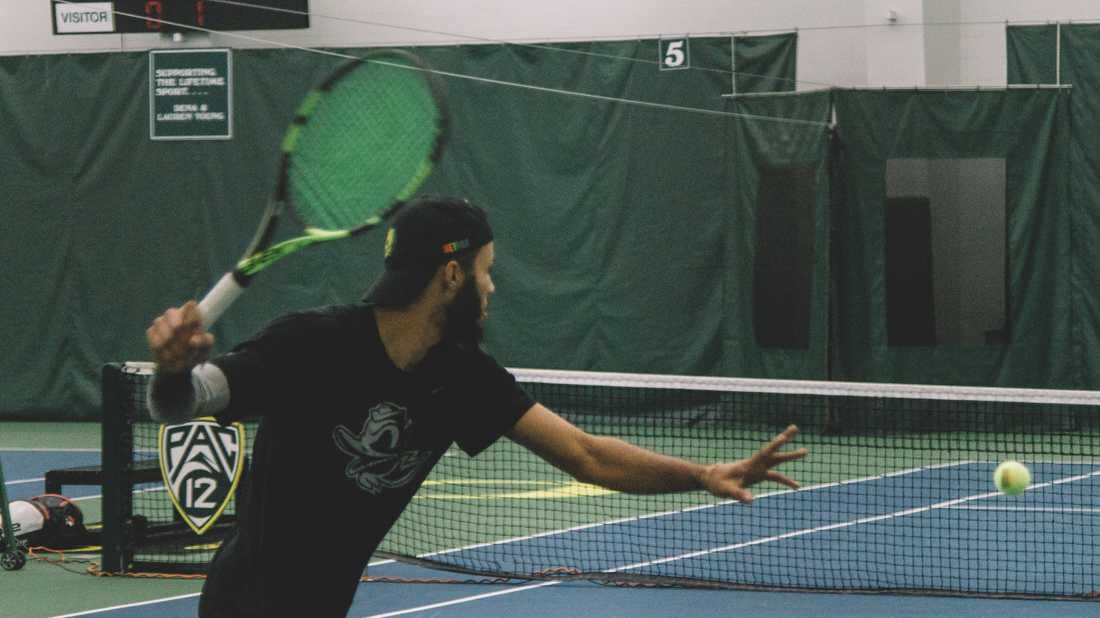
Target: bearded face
(463, 324)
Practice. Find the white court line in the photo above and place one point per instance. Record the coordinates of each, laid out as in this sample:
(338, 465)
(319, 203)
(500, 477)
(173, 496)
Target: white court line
(803, 532)
(689, 509)
(128, 605)
(787, 535)
(463, 600)
(940, 505)
(138, 491)
(24, 481)
(947, 504)
(863, 520)
(21, 449)
(1027, 509)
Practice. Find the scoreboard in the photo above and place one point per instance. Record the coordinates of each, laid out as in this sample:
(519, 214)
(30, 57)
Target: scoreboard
(136, 16)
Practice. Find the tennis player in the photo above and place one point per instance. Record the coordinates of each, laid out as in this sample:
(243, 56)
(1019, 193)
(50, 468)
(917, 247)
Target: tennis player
(358, 402)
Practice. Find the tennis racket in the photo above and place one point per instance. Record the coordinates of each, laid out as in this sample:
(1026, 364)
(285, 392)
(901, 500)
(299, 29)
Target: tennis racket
(360, 145)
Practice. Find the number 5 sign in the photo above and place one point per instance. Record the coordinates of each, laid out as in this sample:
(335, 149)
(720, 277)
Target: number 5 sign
(674, 54)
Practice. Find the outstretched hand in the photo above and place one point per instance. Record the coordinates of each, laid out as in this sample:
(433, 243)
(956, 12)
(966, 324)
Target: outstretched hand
(732, 480)
(177, 339)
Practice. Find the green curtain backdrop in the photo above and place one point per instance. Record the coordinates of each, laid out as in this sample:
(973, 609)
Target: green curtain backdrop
(781, 140)
(1033, 61)
(1037, 52)
(610, 218)
(765, 63)
(104, 226)
(1031, 53)
(641, 238)
(1025, 128)
(607, 215)
(1080, 49)
(755, 64)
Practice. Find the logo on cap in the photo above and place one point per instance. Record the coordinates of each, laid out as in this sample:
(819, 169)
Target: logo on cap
(391, 237)
(455, 247)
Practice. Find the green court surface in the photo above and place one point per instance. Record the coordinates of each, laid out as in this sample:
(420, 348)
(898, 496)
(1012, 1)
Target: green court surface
(45, 589)
(29, 435)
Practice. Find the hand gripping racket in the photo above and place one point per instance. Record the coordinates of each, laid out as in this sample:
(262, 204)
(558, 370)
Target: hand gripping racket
(360, 145)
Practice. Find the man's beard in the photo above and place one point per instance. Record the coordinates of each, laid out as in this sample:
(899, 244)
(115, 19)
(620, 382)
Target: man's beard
(463, 325)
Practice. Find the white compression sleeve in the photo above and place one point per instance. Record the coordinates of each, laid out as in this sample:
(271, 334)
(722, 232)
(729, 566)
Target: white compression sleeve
(208, 394)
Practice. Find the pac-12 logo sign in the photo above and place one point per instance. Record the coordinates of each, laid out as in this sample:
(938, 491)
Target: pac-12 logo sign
(201, 462)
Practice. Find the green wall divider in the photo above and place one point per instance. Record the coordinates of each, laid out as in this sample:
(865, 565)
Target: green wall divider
(1036, 61)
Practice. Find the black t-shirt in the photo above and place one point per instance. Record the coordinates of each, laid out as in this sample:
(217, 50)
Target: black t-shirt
(344, 441)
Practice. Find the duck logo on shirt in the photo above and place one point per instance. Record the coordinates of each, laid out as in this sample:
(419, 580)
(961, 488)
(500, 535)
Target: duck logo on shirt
(378, 461)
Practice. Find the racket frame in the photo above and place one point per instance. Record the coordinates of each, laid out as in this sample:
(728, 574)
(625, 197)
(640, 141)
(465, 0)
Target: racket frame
(261, 253)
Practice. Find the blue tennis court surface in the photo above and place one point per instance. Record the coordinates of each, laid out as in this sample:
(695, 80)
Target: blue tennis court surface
(24, 470)
(937, 527)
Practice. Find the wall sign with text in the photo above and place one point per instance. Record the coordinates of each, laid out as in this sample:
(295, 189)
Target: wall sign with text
(190, 94)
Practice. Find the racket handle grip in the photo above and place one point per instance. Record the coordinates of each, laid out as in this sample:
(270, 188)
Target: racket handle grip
(217, 300)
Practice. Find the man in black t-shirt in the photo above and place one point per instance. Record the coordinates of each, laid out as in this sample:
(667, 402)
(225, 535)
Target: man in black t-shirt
(357, 403)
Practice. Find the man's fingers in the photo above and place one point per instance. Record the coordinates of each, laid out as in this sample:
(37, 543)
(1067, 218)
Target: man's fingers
(790, 432)
(790, 456)
(176, 338)
(783, 479)
(173, 318)
(152, 338)
(188, 318)
(190, 314)
(165, 330)
(160, 333)
(202, 341)
(741, 495)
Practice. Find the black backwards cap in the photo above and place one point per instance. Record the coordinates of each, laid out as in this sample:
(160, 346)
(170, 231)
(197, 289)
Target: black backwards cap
(425, 233)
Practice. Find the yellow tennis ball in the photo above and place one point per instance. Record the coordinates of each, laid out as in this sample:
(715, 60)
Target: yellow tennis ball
(1011, 477)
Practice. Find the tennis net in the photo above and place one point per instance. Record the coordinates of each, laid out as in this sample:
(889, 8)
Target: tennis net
(143, 531)
(897, 491)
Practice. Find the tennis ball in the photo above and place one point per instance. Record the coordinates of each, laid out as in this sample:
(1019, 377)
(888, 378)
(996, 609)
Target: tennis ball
(1011, 477)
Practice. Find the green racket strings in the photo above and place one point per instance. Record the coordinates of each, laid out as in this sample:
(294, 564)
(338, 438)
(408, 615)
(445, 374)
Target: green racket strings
(365, 144)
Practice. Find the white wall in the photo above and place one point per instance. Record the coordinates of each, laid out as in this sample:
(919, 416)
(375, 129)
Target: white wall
(942, 44)
(848, 43)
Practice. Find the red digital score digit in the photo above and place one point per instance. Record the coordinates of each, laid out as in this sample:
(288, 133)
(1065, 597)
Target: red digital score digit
(154, 9)
(160, 16)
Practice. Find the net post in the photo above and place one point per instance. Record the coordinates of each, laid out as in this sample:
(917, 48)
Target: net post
(7, 531)
(117, 456)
